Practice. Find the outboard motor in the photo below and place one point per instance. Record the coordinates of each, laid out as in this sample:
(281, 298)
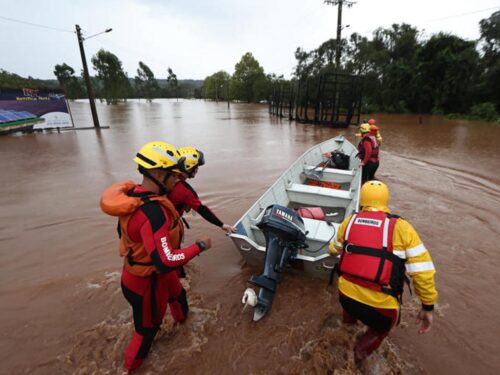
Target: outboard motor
(285, 233)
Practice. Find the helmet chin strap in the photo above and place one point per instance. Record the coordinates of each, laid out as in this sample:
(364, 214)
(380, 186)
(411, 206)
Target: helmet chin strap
(161, 186)
(192, 172)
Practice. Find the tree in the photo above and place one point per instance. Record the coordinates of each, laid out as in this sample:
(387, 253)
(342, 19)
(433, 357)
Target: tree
(172, 82)
(65, 74)
(490, 38)
(113, 80)
(449, 68)
(247, 72)
(216, 86)
(146, 83)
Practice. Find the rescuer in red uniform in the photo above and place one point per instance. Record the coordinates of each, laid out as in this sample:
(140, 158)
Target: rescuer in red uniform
(368, 152)
(150, 233)
(185, 198)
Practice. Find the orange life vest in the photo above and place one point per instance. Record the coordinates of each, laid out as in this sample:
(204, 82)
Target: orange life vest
(119, 200)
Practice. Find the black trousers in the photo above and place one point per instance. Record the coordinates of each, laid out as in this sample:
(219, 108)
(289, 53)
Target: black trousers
(369, 170)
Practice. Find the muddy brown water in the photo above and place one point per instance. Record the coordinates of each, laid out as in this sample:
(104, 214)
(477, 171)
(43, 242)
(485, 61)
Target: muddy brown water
(62, 309)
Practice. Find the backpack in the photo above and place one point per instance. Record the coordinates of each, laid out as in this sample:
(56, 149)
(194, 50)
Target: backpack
(340, 160)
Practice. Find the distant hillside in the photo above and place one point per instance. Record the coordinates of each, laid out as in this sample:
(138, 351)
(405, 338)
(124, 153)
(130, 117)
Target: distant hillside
(14, 81)
(194, 82)
(191, 83)
(186, 88)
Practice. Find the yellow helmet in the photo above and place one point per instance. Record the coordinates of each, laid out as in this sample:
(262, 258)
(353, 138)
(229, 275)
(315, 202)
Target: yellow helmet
(374, 194)
(159, 154)
(194, 157)
(364, 128)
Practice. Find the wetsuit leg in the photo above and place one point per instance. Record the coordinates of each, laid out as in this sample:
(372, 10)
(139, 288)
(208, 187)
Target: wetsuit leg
(181, 272)
(379, 322)
(177, 298)
(348, 318)
(373, 169)
(368, 171)
(148, 298)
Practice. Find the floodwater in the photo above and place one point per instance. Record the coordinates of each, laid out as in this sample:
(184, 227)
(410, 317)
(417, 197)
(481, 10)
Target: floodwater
(62, 309)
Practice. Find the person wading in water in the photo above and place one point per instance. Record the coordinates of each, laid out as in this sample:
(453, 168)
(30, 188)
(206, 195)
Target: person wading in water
(375, 130)
(378, 250)
(185, 198)
(150, 232)
(368, 152)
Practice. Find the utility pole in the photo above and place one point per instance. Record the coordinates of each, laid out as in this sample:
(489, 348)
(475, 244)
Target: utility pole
(90, 91)
(338, 49)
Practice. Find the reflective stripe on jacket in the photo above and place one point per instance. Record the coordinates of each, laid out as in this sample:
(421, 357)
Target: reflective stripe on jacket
(367, 258)
(407, 245)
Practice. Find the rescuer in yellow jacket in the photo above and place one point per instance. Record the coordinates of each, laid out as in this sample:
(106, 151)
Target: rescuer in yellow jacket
(378, 251)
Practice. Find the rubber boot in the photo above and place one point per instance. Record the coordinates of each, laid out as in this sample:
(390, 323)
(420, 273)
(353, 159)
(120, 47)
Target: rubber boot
(138, 349)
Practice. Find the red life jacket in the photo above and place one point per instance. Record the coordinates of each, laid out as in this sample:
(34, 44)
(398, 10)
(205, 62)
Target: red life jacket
(367, 258)
(375, 147)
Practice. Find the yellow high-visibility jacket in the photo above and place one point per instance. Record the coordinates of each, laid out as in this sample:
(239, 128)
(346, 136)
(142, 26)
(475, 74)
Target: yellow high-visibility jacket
(419, 267)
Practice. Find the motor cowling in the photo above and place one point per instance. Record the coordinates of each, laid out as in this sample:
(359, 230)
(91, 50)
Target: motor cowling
(283, 222)
(284, 232)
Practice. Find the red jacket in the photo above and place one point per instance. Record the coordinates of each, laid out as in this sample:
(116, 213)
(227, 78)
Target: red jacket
(368, 149)
(185, 198)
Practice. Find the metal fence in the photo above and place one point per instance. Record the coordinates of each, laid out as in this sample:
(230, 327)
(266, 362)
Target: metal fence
(332, 99)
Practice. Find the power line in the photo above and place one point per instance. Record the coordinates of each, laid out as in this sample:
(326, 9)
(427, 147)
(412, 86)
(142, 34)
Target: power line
(37, 25)
(462, 14)
(440, 19)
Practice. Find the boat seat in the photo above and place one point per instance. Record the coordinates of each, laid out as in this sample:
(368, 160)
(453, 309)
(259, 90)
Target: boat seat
(317, 190)
(318, 196)
(330, 174)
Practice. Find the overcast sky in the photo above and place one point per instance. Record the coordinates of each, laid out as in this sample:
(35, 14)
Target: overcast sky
(198, 38)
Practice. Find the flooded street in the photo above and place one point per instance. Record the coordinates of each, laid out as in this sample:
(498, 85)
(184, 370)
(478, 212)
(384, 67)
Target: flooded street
(62, 307)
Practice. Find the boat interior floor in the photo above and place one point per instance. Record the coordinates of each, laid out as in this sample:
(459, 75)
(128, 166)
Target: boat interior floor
(318, 182)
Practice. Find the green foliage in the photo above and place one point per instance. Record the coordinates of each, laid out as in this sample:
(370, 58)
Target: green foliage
(403, 72)
(146, 84)
(448, 67)
(488, 89)
(114, 84)
(484, 111)
(315, 62)
(216, 86)
(490, 36)
(247, 73)
(172, 82)
(72, 87)
(13, 81)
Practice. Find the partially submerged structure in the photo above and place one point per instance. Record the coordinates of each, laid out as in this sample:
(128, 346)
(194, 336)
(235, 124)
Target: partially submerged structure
(331, 99)
(30, 109)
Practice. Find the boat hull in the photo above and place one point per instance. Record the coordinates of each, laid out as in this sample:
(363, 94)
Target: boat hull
(338, 198)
